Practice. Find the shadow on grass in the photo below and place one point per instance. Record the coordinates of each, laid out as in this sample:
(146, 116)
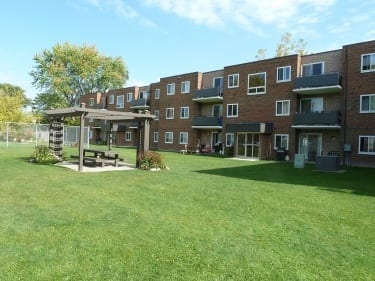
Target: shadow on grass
(353, 180)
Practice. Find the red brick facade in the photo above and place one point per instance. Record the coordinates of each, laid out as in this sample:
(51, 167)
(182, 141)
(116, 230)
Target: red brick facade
(309, 105)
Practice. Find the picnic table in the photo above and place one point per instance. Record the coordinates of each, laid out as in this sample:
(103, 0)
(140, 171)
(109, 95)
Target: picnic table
(100, 157)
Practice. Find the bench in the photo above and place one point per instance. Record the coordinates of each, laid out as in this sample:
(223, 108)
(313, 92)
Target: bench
(88, 159)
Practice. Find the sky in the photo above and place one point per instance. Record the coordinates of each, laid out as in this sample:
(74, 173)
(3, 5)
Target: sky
(161, 38)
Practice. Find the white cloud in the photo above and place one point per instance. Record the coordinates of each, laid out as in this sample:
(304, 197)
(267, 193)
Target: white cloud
(248, 14)
(121, 9)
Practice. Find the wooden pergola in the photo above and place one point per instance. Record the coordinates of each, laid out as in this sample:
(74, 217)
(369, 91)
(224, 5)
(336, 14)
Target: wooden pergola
(83, 113)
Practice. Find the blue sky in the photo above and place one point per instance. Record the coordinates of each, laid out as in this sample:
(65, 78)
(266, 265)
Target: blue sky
(159, 38)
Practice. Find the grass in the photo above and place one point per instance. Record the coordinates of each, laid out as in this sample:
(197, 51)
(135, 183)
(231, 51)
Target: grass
(206, 218)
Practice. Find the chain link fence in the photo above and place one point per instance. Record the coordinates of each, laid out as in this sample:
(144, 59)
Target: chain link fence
(13, 134)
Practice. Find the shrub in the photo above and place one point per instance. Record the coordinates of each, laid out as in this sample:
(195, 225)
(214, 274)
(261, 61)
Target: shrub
(151, 160)
(44, 155)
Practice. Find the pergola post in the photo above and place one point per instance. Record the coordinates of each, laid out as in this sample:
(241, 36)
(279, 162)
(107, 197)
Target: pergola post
(81, 141)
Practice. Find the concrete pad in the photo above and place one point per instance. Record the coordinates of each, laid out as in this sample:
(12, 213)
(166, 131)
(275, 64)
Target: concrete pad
(95, 169)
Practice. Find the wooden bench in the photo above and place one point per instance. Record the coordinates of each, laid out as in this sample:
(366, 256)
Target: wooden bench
(88, 159)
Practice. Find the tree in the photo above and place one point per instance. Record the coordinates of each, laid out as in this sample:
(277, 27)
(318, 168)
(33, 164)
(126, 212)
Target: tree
(287, 46)
(12, 103)
(66, 72)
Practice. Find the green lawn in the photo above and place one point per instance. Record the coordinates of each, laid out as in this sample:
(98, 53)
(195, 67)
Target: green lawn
(207, 218)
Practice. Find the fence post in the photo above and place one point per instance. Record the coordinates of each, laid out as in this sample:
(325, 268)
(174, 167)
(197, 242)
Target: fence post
(7, 134)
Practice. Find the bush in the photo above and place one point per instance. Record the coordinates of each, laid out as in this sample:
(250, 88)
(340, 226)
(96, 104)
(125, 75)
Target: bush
(44, 155)
(151, 160)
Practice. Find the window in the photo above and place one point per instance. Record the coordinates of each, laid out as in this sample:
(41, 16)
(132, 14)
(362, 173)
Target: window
(169, 113)
(185, 87)
(90, 134)
(129, 97)
(281, 141)
(256, 83)
(366, 145)
(368, 62)
(111, 99)
(157, 94)
(282, 108)
(120, 101)
(233, 80)
(310, 69)
(91, 101)
(170, 89)
(218, 82)
(156, 137)
(184, 113)
(232, 110)
(229, 139)
(91, 120)
(128, 136)
(283, 74)
(217, 110)
(184, 137)
(311, 105)
(368, 103)
(143, 95)
(156, 112)
(169, 137)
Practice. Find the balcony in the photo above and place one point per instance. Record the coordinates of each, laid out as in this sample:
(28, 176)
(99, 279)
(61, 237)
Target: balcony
(318, 120)
(205, 122)
(142, 103)
(328, 83)
(210, 95)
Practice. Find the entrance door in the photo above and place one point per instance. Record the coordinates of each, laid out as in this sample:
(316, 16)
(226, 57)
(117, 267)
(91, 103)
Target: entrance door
(248, 145)
(310, 145)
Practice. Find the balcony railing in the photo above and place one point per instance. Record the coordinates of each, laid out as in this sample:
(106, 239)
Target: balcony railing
(323, 119)
(318, 84)
(207, 122)
(140, 103)
(208, 95)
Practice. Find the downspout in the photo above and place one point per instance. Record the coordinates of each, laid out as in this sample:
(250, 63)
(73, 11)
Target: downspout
(345, 102)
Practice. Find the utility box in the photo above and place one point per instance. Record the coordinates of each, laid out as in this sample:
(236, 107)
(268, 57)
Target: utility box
(327, 163)
(299, 161)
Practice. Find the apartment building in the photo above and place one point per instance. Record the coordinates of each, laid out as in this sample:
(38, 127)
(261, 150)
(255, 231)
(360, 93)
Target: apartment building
(317, 104)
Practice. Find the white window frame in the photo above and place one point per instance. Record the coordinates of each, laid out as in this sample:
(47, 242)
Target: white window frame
(157, 114)
(258, 89)
(233, 80)
(128, 136)
(120, 104)
(184, 109)
(170, 89)
(171, 111)
(230, 114)
(370, 139)
(229, 139)
(184, 137)
(281, 136)
(91, 101)
(91, 119)
(170, 138)
(156, 137)
(129, 97)
(185, 87)
(312, 65)
(371, 96)
(372, 63)
(286, 74)
(157, 94)
(283, 103)
(111, 99)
